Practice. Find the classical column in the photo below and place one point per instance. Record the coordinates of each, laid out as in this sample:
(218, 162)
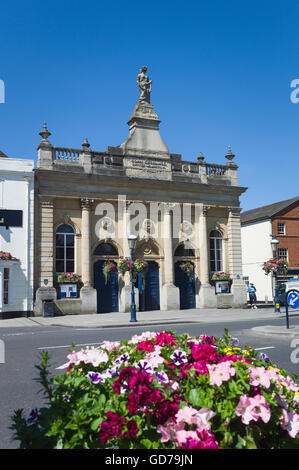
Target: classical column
(203, 240)
(170, 293)
(44, 263)
(207, 297)
(88, 293)
(238, 288)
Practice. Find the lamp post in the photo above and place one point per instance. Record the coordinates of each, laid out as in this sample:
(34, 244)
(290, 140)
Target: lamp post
(132, 242)
(274, 245)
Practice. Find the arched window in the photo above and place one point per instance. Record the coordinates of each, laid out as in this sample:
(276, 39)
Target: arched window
(216, 255)
(182, 251)
(65, 249)
(105, 249)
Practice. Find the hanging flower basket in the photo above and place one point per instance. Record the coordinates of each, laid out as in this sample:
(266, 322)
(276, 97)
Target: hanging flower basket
(278, 267)
(5, 256)
(135, 267)
(68, 278)
(108, 268)
(188, 268)
(221, 276)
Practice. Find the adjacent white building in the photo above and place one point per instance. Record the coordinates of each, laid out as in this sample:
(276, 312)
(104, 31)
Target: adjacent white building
(256, 249)
(258, 227)
(16, 236)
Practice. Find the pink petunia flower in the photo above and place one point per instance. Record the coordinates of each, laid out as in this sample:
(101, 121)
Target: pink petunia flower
(221, 372)
(259, 376)
(182, 436)
(169, 430)
(186, 415)
(253, 409)
(289, 421)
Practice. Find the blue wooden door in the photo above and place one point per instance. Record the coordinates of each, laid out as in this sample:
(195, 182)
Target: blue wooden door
(149, 292)
(186, 286)
(107, 294)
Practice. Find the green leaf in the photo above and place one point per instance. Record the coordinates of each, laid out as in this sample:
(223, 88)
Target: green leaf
(95, 424)
(146, 443)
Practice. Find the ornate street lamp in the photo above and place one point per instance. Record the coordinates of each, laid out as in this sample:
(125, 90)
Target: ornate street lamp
(132, 243)
(274, 245)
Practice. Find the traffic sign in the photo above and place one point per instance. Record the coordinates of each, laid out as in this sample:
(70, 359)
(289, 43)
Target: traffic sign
(293, 299)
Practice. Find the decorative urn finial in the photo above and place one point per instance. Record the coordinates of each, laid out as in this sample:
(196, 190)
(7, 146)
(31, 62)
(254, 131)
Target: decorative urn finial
(45, 133)
(229, 154)
(200, 158)
(85, 144)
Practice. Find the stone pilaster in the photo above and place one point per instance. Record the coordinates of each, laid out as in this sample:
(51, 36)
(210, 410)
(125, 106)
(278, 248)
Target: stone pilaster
(207, 297)
(170, 293)
(88, 293)
(45, 262)
(46, 242)
(86, 205)
(238, 287)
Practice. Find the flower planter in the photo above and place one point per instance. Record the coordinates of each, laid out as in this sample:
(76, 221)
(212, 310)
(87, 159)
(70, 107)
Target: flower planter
(165, 391)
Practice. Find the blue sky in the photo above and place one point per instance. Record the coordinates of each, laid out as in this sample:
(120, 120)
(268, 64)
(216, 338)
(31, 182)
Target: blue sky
(221, 75)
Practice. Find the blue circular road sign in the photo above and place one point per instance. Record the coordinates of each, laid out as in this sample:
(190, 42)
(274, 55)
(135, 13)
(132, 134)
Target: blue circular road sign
(293, 299)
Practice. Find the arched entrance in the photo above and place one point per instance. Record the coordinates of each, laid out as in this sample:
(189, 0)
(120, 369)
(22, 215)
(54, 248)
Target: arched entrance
(182, 280)
(149, 291)
(107, 292)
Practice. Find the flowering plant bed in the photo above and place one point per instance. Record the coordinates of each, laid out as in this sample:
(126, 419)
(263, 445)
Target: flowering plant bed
(272, 266)
(108, 268)
(5, 256)
(221, 276)
(188, 268)
(135, 267)
(165, 391)
(68, 277)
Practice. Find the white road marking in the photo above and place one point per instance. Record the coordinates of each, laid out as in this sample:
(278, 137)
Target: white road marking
(267, 347)
(68, 345)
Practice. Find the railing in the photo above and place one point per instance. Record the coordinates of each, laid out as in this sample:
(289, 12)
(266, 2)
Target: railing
(215, 170)
(66, 154)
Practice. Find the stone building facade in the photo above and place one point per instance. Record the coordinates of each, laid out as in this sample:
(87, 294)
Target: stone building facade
(88, 202)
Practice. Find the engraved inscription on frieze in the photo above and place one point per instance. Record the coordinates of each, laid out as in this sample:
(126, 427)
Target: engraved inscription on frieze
(151, 166)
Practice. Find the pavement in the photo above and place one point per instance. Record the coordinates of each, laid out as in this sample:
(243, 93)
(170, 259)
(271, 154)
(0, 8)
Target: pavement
(146, 319)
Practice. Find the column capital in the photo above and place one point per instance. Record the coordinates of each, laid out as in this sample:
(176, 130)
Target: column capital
(168, 207)
(86, 203)
(234, 211)
(127, 205)
(46, 201)
(205, 210)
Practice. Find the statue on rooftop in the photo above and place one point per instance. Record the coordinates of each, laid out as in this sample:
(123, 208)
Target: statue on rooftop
(145, 85)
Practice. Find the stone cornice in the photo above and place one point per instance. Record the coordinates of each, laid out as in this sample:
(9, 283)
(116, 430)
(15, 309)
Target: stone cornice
(125, 185)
